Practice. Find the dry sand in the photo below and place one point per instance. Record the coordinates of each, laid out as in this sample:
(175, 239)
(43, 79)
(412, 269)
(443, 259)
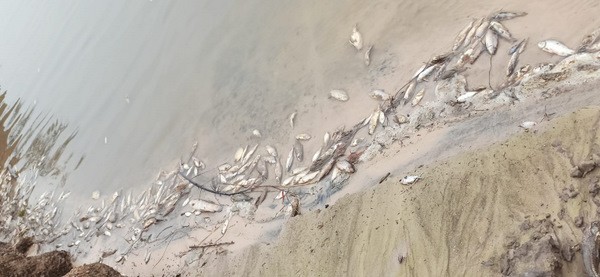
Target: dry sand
(461, 219)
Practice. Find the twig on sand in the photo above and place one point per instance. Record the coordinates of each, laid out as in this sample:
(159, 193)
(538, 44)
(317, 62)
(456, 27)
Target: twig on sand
(210, 245)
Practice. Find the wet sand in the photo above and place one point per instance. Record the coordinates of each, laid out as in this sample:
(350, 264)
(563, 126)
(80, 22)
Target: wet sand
(460, 219)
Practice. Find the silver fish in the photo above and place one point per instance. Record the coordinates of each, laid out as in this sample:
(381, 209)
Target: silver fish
(516, 46)
(418, 97)
(588, 41)
(344, 166)
(373, 121)
(368, 55)
(501, 30)
(278, 172)
(502, 15)
(249, 154)
(271, 150)
(147, 257)
(316, 155)
(326, 138)
(491, 42)
(482, 30)
(292, 119)
(379, 94)
(462, 35)
(471, 33)
(339, 95)
(409, 91)
(290, 160)
(239, 154)
(308, 177)
(303, 137)
(555, 47)
(356, 38)
(299, 151)
(426, 72)
(512, 63)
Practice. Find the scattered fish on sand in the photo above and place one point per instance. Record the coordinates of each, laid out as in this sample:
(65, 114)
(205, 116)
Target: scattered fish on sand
(339, 95)
(555, 47)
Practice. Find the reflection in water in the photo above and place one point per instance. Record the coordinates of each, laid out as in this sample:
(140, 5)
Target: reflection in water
(31, 149)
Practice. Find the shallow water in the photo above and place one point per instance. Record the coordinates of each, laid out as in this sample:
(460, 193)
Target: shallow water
(154, 77)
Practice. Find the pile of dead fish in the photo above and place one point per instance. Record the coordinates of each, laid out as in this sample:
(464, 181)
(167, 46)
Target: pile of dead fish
(255, 171)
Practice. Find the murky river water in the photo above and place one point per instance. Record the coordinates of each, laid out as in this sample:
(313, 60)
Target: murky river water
(132, 85)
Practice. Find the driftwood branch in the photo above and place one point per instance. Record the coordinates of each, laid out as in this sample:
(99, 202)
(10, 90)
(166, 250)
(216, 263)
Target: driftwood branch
(210, 245)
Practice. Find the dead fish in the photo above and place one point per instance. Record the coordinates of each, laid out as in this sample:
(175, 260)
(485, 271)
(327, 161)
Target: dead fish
(512, 63)
(381, 117)
(249, 154)
(356, 38)
(290, 160)
(205, 206)
(407, 180)
(482, 30)
(501, 30)
(108, 253)
(468, 95)
(379, 94)
(303, 137)
(239, 154)
(185, 202)
(409, 91)
(299, 151)
(528, 125)
(292, 118)
(147, 257)
(224, 167)
(426, 72)
(339, 95)
(418, 97)
(226, 224)
(316, 155)
(588, 40)
(462, 35)
(278, 172)
(419, 71)
(589, 248)
(491, 42)
(555, 47)
(288, 181)
(451, 72)
(594, 48)
(373, 122)
(344, 166)
(271, 150)
(308, 177)
(270, 159)
(471, 33)
(502, 15)
(326, 138)
(299, 170)
(256, 133)
(517, 46)
(368, 55)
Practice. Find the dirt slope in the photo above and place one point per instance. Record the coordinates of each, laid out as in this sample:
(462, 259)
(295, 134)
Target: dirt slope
(486, 212)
